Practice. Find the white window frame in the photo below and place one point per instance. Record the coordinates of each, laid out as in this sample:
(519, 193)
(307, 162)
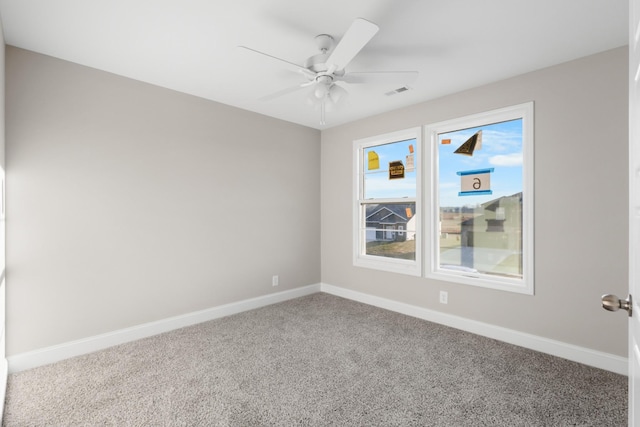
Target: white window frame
(360, 258)
(432, 211)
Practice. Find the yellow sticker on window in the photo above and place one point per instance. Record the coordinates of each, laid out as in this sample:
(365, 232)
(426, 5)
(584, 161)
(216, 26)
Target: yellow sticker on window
(374, 161)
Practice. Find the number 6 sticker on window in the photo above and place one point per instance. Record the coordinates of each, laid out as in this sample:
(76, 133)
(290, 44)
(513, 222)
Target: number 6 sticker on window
(475, 182)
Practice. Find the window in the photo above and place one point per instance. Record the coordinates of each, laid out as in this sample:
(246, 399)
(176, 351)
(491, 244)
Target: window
(480, 221)
(386, 213)
(478, 211)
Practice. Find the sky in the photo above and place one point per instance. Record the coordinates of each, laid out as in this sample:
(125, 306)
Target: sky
(377, 182)
(501, 150)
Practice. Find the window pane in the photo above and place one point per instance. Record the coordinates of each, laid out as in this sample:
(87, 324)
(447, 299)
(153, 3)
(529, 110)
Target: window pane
(381, 162)
(387, 229)
(480, 198)
(390, 230)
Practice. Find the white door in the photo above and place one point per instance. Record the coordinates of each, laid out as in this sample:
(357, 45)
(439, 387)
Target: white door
(634, 211)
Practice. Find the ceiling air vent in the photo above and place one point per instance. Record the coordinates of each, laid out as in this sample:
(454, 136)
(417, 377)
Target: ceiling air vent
(399, 90)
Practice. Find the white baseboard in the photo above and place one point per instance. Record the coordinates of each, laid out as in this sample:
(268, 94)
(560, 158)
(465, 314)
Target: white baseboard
(575, 353)
(32, 359)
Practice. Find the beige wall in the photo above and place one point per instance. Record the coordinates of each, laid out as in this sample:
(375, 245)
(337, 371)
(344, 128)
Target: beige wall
(130, 203)
(580, 204)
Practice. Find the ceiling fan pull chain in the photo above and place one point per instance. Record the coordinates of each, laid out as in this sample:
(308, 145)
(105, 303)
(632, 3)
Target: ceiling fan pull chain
(322, 111)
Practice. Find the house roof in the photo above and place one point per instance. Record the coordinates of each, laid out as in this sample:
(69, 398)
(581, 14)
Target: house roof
(492, 205)
(389, 212)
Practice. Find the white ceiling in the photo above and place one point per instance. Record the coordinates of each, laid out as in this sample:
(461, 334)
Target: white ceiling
(191, 45)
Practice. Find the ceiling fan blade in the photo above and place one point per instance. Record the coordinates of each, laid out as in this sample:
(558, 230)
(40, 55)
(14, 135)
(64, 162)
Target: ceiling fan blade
(289, 64)
(381, 77)
(283, 92)
(356, 37)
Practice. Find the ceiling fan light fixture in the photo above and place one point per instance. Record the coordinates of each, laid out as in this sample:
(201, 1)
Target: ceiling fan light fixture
(337, 93)
(321, 91)
(313, 100)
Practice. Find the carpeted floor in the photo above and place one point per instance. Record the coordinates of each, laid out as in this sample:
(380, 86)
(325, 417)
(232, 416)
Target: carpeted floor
(319, 360)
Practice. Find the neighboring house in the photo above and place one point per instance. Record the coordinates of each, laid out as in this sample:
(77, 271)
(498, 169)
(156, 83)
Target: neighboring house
(391, 222)
(497, 227)
(411, 228)
(495, 216)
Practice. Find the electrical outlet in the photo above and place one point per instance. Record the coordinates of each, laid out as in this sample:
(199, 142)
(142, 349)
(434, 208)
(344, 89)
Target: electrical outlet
(274, 281)
(444, 297)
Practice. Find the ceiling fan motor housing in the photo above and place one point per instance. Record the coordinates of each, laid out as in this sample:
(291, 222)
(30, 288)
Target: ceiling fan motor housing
(317, 63)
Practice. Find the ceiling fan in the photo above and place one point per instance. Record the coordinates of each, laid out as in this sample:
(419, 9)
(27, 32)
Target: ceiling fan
(323, 71)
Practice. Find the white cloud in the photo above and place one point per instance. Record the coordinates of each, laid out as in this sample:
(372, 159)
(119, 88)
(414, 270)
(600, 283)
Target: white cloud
(514, 159)
(501, 141)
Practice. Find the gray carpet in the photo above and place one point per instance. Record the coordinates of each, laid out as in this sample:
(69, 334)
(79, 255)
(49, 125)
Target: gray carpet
(319, 360)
